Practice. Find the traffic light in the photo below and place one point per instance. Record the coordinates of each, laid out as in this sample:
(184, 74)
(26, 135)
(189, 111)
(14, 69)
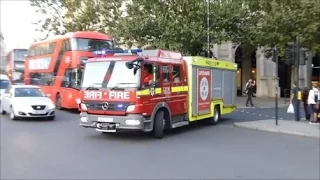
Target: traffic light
(289, 53)
(303, 57)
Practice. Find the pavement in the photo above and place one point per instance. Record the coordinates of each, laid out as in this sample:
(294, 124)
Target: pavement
(261, 102)
(285, 127)
(61, 149)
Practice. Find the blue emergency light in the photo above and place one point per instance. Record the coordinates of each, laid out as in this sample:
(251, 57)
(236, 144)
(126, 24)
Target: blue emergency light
(118, 51)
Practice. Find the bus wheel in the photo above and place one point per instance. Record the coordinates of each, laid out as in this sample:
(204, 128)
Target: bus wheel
(58, 102)
(158, 125)
(216, 116)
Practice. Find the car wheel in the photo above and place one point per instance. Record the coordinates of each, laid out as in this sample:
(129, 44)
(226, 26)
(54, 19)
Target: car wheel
(12, 115)
(216, 116)
(58, 102)
(159, 124)
(2, 111)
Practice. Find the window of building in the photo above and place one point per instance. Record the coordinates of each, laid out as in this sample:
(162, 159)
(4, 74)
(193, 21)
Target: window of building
(176, 74)
(44, 79)
(165, 74)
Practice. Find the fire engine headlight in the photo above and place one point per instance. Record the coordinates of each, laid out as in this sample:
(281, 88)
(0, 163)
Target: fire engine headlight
(132, 122)
(83, 107)
(84, 119)
(78, 101)
(131, 108)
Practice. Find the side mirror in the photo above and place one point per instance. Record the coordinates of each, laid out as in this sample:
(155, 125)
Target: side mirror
(129, 65)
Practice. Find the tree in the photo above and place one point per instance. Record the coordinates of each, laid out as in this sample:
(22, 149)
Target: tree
(168, 24)
(286, 21)
(52, 16)
(63, 16)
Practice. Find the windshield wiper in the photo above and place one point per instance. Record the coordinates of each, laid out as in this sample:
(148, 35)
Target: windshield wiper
(91, 87)
(120, 88)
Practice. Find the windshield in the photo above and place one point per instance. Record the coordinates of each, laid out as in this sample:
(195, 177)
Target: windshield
(4, 84)
(28, 92)
(92, 44)
(110, 74)
(19, 54)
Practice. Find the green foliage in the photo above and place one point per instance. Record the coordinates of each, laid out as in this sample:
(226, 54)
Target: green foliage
(63, 16)
(182, 24)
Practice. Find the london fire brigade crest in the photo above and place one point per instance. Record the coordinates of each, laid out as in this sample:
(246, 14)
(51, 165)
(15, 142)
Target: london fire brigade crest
(151, 91)
(204, 88)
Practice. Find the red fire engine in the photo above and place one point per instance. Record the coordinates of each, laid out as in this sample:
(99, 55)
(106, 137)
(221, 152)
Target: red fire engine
(154, 90)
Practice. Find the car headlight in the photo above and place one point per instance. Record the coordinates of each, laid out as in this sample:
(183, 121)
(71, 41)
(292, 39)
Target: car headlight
(131, 108)
(51, 106)
(83, 107)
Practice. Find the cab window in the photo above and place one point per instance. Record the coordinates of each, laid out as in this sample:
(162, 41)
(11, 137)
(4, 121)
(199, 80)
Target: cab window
(150, 75)
(165, 74)
(176, 74)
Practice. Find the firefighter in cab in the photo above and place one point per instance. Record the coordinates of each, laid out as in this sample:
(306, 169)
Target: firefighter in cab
(147, 75)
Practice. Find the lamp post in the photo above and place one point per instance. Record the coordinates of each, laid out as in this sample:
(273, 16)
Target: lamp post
(208, 26)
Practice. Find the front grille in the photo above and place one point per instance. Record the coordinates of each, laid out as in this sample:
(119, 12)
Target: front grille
(38, 107)
(113, 106)
(31, 114)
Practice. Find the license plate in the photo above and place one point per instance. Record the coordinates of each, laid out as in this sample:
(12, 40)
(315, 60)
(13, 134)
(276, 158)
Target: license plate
(103, 119)
(38, 112)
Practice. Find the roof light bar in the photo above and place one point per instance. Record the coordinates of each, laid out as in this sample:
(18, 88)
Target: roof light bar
(103, 52)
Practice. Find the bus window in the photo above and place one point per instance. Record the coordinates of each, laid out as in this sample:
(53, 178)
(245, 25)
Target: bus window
(44, 79)
(72, 78)
(91, 44)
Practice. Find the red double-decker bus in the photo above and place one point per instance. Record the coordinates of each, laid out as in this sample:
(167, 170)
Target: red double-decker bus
(15, 65)
(56, 65)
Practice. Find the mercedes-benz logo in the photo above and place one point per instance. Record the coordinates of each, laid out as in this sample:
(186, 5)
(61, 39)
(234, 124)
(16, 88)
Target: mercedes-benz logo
(105, 106)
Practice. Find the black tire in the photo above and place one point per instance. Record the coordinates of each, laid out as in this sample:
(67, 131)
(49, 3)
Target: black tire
(58, 102)
(12, 116)
(51, 118)
(2, 111)
(216, 116)
(158, 127)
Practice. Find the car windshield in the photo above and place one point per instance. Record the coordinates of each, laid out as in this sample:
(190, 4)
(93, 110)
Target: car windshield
(92, 44)
(4, 84)
(28, 92)
(110, 74)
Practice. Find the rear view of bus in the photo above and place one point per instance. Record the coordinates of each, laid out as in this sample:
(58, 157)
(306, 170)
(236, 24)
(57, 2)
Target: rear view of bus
(15, 65)
(56, 64)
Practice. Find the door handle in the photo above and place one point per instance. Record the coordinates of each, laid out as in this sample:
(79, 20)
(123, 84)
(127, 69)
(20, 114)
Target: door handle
(167, 99)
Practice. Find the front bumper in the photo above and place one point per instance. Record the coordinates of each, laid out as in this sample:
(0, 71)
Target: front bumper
(32, 114)
(109, 123)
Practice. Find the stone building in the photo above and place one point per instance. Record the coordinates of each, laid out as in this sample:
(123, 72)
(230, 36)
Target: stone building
(252, 64)
(2, 52)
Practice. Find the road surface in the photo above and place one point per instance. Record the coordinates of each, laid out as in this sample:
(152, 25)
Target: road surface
(61, 149)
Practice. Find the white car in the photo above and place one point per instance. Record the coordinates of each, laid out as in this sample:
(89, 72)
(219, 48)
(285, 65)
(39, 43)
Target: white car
(26, 101)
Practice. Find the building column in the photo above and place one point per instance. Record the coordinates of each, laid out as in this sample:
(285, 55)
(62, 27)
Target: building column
(266, 75)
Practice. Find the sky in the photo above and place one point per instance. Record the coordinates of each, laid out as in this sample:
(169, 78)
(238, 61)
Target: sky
(16, 25)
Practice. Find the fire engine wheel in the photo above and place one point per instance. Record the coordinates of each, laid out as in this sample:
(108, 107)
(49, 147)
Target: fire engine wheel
(58, 102)
(216, 116)
(159, 123)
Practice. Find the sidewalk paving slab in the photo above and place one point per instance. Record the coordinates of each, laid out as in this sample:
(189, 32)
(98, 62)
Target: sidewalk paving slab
(261, 102)
(301, 128)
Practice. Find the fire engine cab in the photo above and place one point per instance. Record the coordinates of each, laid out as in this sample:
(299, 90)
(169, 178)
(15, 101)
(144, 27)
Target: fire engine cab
(154, 90)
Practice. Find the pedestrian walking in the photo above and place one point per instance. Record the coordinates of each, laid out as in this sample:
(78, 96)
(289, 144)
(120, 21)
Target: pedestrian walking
(295, 99)
(313, 100)
(305, 95)
(249, 92)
